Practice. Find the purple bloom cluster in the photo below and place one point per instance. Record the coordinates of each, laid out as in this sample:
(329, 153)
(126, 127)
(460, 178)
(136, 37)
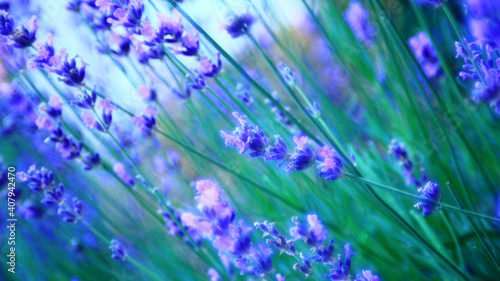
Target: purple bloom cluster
(239, 25)
(313, 236)
(247, 137)
(430, 191)
(217, 224)
(399, 151)
(358, 19)
(117, 250)
(43, 180)
(484, 71)
(426, 54)
(20, 37)
(484, 20)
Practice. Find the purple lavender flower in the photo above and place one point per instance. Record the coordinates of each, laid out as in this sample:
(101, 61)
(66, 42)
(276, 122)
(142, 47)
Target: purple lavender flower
(4, 5)
(332, 166)
(71, 216)
(486, 75)
(399, 151)
(53, 196)
(240, 24)
(24, 37)
(208, 68)
(120, 171)
(341, 270)
(430, 191)
(303, 156)
(190, 44)
(70, 73)
(247, 137)
(90, 161)
(170, 28)
(484, 20)
(368, 275)
(38, 180)
(107, 108)
(278, 153)
(289, 76)
(85, 100)
(313, 236)
(147, 121)
(6, 23)
(425, 53)
(117, 250)
(358, 20)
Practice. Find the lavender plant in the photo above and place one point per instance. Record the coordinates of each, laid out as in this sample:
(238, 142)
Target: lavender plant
(127, 106)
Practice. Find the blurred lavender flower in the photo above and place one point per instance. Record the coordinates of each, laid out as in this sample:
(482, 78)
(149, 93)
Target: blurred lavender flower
(426, 54)
(147, 121)
(170, 28)
(70, 73)
(117, 250)
(247, 137)
(24, 37)
(239, 25)
(208, 68)
(430, 191)
(90, 161)
(484, 21)
(53, 196)
(399, 151)
(289, 76)
(358, 19)
(71, 216)
(368, 275)
(120, 171)
(486, 75)
(6, 23)
(107, 108)
(147, 93)
(303, 156)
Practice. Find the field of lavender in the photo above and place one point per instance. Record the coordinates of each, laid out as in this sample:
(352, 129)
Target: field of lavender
(250, 140)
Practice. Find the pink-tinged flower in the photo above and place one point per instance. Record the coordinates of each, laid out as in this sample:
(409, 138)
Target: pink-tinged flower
(147, 30)
(121, 15)
(214, 276)
(33, 24)
(88, 120)
(279, 277)
(151, 110)
(369, 276)
(209, 195)
(208, 68)
(301, 142)
(224, 243)
(114, 38)
(120, 171)
(144, 91)
(55, 102)
(56, 60)
(332, 167)
(106, 106)
(44, 123)
(316, 227)
(104, 5)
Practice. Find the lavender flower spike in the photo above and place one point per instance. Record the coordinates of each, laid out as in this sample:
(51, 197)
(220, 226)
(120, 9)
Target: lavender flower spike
(430, 191)
(247, 137)
(426, 54)
(118, 252)
(358, 19)
(302, 158)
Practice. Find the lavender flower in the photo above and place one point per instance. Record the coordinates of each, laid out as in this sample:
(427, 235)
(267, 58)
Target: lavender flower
(332, 166)
(240, 24)
(368, 275)
(426, 54)
(303, 156)
(85, 100)
(24, 37)
(358, 20)
(484, 21)
(278, 153)
(6, 23)
(208, 68)
(38, 180)
(147, 121)
(70, 73)
(399, 151)
(486, 75)
(107, 108)
(247, 137)
(289, 76)
(54, 196)
(341, 270)
(170, 28)
(71, 216)
(430, 191)
(90, 161)
(313, 236)
(117, 250)
(120, 171)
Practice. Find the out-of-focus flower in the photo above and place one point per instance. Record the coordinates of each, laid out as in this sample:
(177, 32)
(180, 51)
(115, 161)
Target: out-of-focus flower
(38, 179)
(117, 250)
(426, 54)
(358, 19)
(239, 25)
(208, 68)
(341, 270)
(120, 171)
(74, 215)
(313, 236)
(279, 152)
